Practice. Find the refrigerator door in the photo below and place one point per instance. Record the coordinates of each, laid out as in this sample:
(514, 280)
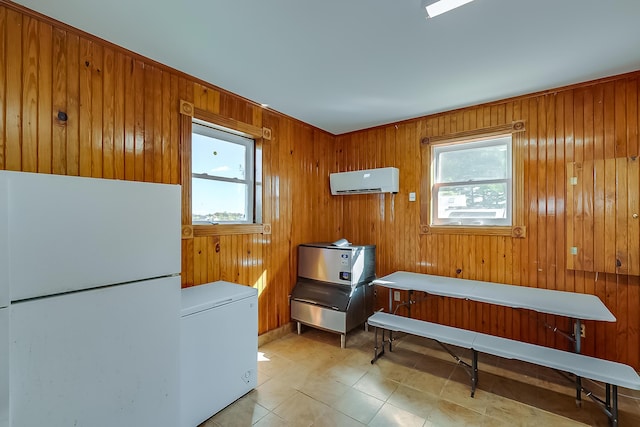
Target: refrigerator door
(103, 357)
(70, 233)
(4, 241)
(4, 367)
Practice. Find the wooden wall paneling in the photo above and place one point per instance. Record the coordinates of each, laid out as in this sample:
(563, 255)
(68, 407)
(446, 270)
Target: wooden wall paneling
(633, 215)
(198, 262)
(213, 258)
(73, 105)
(13, 92)
(164, 133)
(108, 113)
(119, 132)
(187, 263)
(155, 105)
(611, 287)
(174, 131)
(547, 194)
(86, 118)
(97, 93)
(533, 210)
(44, 97)
(30, 95)
(130, 121)
(149, 125)
(59, 102)
(560, 277)
(621, 215)
(3, 80)
(632, 350)
(138, 120)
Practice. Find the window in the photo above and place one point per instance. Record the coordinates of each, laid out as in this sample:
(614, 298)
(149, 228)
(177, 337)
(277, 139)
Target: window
(472, 182)
(222, 176)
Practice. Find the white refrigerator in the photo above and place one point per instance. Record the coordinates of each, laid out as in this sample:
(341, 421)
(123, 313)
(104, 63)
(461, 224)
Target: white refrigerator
(93, 277)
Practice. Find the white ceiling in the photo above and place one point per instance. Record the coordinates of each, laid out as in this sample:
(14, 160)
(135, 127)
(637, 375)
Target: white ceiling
(344, 65)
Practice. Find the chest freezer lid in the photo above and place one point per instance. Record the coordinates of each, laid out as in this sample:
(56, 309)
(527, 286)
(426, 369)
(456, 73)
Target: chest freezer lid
(204, 297)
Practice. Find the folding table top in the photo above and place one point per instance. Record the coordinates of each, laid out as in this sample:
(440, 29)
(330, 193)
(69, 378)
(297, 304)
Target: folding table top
(569, 304)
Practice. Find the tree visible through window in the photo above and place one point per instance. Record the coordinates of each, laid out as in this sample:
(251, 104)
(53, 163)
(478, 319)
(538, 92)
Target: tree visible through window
(472, 183)
(222, 176)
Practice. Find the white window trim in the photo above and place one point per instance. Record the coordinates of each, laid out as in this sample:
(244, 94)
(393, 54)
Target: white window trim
(509, 180)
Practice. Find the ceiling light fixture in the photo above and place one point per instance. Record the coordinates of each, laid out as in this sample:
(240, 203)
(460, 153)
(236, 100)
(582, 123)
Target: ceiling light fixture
(443, 6)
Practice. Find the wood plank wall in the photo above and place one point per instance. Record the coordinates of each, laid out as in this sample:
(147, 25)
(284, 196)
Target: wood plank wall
(597, 120)
(123, 123)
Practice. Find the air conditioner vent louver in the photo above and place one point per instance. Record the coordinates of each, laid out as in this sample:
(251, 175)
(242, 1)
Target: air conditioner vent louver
(368, 181)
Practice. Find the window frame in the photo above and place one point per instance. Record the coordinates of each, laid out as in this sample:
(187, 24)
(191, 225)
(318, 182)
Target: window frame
(189, 113)
(517, 229)
(218, 132)
(474, 143)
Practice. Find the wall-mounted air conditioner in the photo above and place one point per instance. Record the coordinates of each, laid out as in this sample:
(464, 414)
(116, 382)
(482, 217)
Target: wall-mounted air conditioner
(382, 180)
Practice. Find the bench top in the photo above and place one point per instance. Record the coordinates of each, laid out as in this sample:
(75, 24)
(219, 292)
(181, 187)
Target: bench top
(569, 304)
(578, 364)
(446, 334)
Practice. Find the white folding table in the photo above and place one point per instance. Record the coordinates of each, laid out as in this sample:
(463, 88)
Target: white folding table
(569, 304)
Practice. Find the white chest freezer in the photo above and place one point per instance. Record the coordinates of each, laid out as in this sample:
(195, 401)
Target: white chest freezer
(218, 348)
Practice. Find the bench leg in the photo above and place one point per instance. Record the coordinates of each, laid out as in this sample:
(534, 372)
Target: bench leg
(474, 377)
(610, 403)
(376, 354)
(613, 408)
(578, 391)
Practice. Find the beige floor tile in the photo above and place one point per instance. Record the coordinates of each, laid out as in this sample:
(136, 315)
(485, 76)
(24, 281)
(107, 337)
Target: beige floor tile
(508, 410)
(427, 382)
(458, 390)
(358, 405)
(392, 416)
(345, 374)
(414, 401)
(271, 420)
(324, 389)
(447, 414)
(262, 378)
(335, 418)
(300, 410)
(309, 380)
(272, 393)
(244, 412)
(373, 385)
(542, 418)
(273, 364)
(390, 369)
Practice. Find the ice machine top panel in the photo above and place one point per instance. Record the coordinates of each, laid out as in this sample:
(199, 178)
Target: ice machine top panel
(344, 265)
(71, 233)
(203, 297)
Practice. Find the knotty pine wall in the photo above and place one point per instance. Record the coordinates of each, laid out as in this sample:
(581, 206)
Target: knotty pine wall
(123, 123)
(591, 121)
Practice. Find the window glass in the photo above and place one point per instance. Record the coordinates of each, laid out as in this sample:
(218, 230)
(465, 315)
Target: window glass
(472, 183)
(218, 157)
(222, 176)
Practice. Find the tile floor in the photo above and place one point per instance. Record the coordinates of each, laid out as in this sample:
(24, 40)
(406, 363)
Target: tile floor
(307, 380)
